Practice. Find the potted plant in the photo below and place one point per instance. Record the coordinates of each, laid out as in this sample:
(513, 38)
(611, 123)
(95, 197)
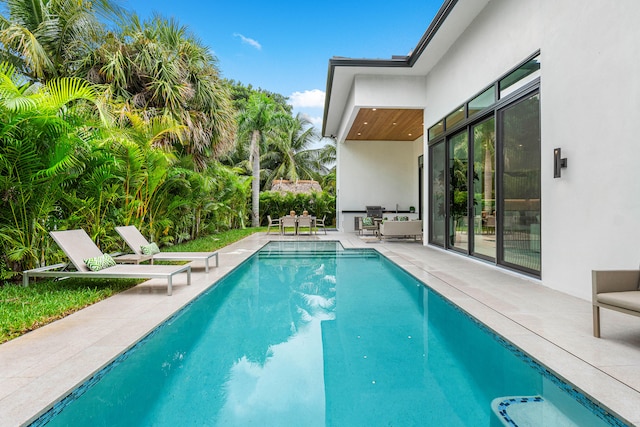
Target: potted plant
(412, 209)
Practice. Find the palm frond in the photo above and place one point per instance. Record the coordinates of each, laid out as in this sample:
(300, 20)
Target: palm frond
(27, 45)
(60, 92)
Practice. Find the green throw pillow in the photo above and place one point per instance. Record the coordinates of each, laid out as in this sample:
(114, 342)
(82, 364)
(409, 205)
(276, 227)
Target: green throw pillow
(99, 262)
(367, 221)
(150, 249)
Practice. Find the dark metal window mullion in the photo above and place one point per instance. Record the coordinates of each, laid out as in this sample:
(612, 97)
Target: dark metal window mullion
(447, 195)
(471, 192)
(499, 162)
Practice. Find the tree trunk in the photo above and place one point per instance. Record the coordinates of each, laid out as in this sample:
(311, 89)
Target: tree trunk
(255, 184)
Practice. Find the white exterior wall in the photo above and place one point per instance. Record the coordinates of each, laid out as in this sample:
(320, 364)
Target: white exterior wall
(390, 91)
(376, 173)
(504, 34)
(590, 107)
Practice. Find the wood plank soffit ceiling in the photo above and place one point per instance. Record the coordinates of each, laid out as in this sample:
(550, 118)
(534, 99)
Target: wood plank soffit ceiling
(386, 124)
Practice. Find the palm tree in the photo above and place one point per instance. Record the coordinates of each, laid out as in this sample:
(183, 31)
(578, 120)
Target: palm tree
(289, 155)
(328, 153)
(159, 67)
(43, 38)
(259, 118)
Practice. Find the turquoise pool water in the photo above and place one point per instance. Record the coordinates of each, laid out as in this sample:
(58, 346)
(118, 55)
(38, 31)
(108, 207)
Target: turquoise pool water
(313, 335)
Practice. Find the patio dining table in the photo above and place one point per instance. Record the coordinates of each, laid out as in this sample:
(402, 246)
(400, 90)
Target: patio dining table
(293, 221)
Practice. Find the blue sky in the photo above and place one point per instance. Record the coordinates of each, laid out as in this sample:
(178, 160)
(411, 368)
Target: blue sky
(285, 46)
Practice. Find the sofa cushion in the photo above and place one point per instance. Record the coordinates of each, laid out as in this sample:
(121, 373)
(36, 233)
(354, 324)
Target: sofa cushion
(628, 299)
(367, 221)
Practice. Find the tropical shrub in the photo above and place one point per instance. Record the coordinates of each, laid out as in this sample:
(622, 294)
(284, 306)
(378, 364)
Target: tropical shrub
(45, 139)
(67, 161)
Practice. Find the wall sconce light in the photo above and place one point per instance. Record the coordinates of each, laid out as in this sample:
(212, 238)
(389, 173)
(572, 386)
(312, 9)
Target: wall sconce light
(558, 163)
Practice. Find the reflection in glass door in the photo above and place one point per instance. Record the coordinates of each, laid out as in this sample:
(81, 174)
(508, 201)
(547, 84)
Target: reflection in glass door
(484, 188)
(437, 194)
(520, 199)
(458, 191)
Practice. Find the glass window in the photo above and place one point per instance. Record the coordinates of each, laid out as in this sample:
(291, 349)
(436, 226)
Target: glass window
(482, 101)
(436, 130)
(458, 191)
(456, 117)
(484, 175)
(520, 77)
(437, 202)
(520, 216)
(484, 188)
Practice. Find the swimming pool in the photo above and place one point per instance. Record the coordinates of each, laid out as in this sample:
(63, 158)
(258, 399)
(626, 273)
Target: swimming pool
(310, 334)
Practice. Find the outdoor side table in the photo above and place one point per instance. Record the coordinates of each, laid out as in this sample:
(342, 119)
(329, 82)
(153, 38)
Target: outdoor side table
(132, 258)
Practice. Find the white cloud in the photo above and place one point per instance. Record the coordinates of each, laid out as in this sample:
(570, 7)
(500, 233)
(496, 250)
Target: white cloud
(315, 121)
(307, 99)
(249, 41)
(260, 392)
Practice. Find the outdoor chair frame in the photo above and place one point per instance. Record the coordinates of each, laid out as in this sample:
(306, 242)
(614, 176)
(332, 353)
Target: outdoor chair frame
(135, 240)
(77, 245)
(273, 223)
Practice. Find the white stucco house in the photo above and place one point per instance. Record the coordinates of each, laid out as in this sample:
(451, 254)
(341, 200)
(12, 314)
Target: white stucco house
(466, 129)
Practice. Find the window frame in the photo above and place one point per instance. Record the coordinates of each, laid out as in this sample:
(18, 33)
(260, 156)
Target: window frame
(494, 110)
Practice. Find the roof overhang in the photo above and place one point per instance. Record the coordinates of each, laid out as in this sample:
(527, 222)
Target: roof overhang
(355, 87)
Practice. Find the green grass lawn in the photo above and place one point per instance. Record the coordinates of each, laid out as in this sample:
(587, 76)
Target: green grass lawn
(23, 309)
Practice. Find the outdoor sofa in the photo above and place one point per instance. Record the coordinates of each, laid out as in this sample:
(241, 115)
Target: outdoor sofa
(80, 250)
(616, 290)
(396, 229)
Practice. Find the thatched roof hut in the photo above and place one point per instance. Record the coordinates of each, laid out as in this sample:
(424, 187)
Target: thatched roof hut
(299, 186)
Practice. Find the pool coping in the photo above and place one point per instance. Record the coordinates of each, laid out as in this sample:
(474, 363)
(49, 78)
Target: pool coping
(41, 367)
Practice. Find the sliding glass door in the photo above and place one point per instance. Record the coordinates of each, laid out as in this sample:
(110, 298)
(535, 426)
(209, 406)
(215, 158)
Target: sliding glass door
(458, 191)
(484, 188)
(519, 204)
(437, 193)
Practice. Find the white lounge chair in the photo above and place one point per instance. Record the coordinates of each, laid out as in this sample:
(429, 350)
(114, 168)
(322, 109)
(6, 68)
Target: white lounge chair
(135, 240)
(78, 246)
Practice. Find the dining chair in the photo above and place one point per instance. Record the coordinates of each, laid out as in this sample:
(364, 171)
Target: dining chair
(273, 223)
(304, 221)
(288, 222)
(320, 223)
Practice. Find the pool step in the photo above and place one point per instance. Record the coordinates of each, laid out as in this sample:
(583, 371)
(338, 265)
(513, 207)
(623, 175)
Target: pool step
(317, 254)
(528, 411)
